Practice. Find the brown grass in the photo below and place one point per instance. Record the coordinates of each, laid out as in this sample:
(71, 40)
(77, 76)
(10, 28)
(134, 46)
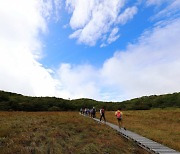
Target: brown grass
(159, 125)
(58, 132)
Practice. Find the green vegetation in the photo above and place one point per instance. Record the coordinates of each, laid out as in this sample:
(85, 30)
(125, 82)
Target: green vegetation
(59, 132)
(16, 102)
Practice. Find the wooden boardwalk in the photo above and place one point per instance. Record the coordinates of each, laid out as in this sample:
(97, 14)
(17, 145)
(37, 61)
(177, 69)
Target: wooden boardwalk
(147, 144)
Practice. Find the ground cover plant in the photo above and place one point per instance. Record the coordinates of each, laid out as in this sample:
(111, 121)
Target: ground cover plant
(161, 125)
(58, 132)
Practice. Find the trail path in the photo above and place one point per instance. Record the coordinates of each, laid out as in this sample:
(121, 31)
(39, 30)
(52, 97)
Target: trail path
(143, 142)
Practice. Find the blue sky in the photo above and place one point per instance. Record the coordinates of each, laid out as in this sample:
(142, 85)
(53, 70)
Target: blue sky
(105, 50)
(59, 48)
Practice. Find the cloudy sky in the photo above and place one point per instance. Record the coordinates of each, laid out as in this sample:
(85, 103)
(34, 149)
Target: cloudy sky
(109, 50)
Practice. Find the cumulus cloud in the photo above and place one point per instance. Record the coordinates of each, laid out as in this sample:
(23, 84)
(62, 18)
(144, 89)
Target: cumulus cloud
(21, 23)
(82, 12)
(92, 19)
(76, 34)
(149, 66)
(78, 81)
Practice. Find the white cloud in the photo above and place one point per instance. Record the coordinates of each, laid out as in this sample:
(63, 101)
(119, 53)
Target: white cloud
(82, 12)
(127, 15)
(121, 19)
(76, 34)
(155, 2)
(150, 66)
(78, 81)
(171, 10)
(165, 9)
(21, 22)
(113, 35)
(92, 19)
(57, 8)
(103, 45)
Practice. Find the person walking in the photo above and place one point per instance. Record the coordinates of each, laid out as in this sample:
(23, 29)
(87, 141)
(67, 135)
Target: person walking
(102, 113)
(119, 117)
(81, 111)
(93, 112)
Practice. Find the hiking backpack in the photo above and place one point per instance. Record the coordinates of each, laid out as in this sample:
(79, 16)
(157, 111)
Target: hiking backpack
(102, 111)
(118, 115)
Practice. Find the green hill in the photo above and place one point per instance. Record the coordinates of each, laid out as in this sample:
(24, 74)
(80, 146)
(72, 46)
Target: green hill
(17, 102)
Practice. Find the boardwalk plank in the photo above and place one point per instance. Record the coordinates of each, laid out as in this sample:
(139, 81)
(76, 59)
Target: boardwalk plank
(142, 141)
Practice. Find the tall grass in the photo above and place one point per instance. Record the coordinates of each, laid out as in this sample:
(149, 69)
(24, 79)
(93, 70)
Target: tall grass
(58, 132)
(159, 125)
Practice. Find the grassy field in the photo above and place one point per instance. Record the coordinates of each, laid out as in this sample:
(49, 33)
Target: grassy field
(160, 125)
(59, 132)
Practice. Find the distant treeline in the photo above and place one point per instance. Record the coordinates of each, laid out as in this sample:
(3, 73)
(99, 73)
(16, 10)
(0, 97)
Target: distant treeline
(16, 102)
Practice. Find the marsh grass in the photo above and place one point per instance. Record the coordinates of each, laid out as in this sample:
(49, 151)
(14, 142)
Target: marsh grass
(161, 125)
(58, 132)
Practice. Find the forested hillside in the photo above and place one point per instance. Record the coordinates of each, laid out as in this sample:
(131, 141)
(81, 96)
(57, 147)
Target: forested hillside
(16, 102)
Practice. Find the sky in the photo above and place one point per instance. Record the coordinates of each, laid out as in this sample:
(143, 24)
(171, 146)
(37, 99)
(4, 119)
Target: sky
(109, 50)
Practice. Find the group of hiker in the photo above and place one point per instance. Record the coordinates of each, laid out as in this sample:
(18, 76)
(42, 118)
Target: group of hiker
(92, 114)
(88, 112)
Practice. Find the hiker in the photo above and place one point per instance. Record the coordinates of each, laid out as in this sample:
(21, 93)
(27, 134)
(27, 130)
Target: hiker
(85, 111)
(88, 112)
(93, 112)
(81, 111)
(102, 113)
(119, 115)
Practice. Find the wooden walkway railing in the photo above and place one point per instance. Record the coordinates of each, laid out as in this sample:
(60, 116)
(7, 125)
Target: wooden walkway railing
(143, 142)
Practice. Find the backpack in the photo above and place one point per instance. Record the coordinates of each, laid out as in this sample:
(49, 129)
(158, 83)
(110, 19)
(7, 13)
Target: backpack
(118, 114)
(102, 111)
